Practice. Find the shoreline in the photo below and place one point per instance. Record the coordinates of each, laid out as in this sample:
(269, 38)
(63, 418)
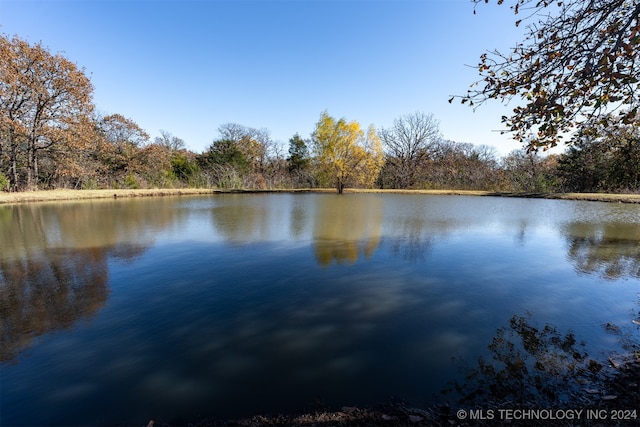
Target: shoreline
(75, 195)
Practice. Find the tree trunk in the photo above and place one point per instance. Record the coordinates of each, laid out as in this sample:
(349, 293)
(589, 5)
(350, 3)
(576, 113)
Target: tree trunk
(13, 155)
(36, 172)
(13, 175)
(32, 166)
(29, 168)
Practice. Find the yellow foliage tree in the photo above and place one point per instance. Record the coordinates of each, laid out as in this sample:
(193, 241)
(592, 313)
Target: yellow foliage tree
(344, 154)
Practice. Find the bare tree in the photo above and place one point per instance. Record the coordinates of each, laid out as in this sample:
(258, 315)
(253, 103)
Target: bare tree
(408, 144)
(169, 141)
(232, 131)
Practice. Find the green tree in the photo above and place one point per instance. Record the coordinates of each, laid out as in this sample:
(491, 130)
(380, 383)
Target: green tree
(184, 168)
(4, 182)
(344, 154)
(225, 164)
(255, 144)
(299, 161)
(225, 152)
(583, 167)
(624, 173)
(603, 158)
(299, 158)
(577, 63)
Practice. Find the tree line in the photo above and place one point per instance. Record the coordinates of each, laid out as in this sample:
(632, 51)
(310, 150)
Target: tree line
(52, 137)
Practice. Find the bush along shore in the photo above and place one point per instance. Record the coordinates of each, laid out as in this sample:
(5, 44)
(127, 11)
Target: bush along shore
(66, 194)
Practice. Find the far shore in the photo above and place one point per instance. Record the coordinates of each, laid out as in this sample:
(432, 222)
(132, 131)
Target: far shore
(66, 194)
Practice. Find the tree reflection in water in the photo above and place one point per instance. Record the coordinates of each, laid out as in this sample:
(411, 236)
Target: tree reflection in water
(611, 250)
(48, 292)
(54, 262)
(346, 228)
(52, 290)
(541, 367)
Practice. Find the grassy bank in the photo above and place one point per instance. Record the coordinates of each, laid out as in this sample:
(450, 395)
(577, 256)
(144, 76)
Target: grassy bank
(59, 195)
(65, 194)
(595, 197)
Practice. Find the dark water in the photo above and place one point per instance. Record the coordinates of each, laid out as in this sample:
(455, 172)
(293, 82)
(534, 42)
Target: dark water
(181, 308)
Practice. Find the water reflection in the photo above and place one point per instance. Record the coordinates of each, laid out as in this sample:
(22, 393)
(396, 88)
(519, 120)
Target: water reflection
(241, 218)
(30, 228)
(54, 261)
(346, 228)
(298, 220)
(48, 292)
(534, 366)
(610, 250)
(529, 365)
(415, 242)
(236, 304)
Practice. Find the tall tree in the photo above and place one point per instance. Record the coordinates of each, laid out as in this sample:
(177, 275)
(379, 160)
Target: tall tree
(299, 158)
(408, 144)
(584, 166)
(77, 162)
(225, 152)
(121, 131)
(530, 172)
(42, 96)
(122, 139)
(603, 158)
(577, 63)
(345, 155)
(255, 144)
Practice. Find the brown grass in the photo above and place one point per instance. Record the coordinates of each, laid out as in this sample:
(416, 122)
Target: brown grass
(59, 195)
(596, 197)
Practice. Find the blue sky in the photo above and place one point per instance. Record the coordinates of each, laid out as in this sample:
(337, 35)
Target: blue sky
(189, 66)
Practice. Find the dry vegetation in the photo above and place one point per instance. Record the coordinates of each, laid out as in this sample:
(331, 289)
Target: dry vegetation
(65, 194)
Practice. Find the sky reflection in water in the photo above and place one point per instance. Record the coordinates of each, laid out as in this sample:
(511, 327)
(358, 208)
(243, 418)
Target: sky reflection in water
(175, 308)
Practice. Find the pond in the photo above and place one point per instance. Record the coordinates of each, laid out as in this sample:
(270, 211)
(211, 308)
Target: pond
(179, 308)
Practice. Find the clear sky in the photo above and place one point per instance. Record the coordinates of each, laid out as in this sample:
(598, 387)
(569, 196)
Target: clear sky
(187, 67)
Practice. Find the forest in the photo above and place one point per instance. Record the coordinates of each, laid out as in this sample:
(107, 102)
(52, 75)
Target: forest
(52, 137)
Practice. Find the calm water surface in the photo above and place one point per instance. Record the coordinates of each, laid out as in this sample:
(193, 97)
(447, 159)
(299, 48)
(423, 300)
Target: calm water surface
(232, 305)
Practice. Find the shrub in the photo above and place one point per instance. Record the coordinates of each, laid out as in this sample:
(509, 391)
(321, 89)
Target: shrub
(131, 182)
(4, 182)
